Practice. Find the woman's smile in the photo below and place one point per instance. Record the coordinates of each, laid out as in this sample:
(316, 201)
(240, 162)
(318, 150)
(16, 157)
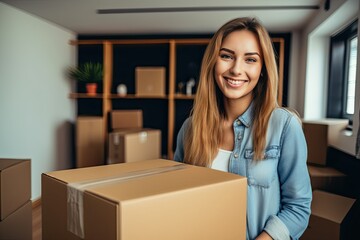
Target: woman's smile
(235, 83)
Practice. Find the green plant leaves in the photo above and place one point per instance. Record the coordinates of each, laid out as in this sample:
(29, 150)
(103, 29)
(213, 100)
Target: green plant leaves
(88, 72)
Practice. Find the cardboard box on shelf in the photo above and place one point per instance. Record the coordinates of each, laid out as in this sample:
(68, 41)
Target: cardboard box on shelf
(134, 145)
(150, 81)
(15, 185)
(122, 119)
(18, 225)
(152, 200)
(327, 179)
(332, 217)
(318, 134)
(89, 141)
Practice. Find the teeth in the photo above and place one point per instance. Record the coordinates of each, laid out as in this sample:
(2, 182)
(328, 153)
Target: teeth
(234, 82)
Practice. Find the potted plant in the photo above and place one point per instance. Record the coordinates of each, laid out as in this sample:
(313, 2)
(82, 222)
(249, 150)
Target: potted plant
(90, 73)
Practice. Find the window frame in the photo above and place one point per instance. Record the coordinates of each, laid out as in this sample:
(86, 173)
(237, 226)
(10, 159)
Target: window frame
(338, 72)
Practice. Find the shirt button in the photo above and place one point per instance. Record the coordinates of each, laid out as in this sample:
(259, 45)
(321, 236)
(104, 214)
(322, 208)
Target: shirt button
(238, 122)
(239, 137)
(236, 155)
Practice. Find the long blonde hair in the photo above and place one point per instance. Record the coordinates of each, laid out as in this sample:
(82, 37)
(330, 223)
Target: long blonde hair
(204, 134)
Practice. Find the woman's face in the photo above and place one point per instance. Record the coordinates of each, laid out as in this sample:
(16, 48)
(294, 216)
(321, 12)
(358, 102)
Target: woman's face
(238, 66)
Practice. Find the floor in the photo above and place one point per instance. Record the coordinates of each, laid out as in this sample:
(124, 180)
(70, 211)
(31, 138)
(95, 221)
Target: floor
(36, 221)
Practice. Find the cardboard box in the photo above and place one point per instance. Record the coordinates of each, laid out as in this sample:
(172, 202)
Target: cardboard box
(147, 200)
(18, 225)
(327, 179)
(331, 217)
(318, 134)
(150, 81)
(121, 119)
(134, 145)
(15, 185)
(89, 141)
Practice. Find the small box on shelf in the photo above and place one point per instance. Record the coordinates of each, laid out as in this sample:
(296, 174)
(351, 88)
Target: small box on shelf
(150, 81)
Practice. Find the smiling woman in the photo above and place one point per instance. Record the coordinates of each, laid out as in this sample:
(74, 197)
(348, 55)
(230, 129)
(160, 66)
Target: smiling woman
(237, 126)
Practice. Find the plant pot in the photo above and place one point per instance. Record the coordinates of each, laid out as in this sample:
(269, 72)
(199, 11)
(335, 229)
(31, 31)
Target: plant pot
(91, 88)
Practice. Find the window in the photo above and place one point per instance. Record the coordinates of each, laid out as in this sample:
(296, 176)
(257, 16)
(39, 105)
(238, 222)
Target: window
(351, 77)
(342, 73)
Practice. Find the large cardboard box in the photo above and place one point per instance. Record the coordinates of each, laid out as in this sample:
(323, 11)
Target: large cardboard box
(18, 225)
(150, 81)
(134, 145)
(15, 185)
(89, 141)
(332, 217)
(327, 179)
(122, 119)
(318, 134)
(147, 200)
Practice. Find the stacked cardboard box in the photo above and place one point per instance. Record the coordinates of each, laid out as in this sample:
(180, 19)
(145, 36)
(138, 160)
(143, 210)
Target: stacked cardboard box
(333, 217)
(89, 141)
(134, 145)
(331, 211)
(152, 200)
(129, 141)
(15, 203)
(327, 179)
(125, 119)
(318, 134)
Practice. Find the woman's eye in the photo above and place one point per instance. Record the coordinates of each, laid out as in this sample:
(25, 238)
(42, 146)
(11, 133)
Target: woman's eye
(251, 60)
(226, 56)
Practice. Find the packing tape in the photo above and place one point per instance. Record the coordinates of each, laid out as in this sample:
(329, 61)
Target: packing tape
(75, 193)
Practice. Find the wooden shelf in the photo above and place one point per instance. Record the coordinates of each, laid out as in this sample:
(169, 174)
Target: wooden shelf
(115, 96)
(134, 96)
(184, 97)
(85, 95)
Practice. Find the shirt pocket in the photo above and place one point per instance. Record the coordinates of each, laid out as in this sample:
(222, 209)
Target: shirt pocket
(262, 172)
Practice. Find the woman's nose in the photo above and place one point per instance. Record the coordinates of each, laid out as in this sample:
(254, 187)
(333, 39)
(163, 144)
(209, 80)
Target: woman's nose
(236, 68)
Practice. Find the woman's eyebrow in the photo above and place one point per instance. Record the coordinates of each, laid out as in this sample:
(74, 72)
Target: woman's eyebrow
(227, 50)
(252, 53)
(233, 52)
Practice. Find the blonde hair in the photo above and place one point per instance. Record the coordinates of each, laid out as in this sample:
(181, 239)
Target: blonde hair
(203, 136)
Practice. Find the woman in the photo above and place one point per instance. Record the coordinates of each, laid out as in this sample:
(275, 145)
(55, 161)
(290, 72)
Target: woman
(237, 126)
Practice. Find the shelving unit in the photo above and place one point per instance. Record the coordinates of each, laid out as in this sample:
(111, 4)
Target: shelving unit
(182, 60)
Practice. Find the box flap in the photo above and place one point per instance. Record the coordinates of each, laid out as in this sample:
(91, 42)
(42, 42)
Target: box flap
(331, 206)
(6, 163)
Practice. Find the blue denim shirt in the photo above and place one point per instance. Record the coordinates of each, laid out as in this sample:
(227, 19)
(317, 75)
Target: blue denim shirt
(279, 190)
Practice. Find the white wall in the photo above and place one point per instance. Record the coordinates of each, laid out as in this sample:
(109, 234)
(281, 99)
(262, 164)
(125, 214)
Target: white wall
(35, 111)
(313, 75)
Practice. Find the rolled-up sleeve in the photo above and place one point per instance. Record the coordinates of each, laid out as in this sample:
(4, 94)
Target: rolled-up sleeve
(295, 186)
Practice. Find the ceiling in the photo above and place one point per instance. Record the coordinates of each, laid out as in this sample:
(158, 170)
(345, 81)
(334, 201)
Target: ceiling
(167, 16)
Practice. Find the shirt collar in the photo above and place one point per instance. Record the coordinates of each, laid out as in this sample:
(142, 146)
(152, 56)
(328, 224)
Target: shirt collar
(247, 117)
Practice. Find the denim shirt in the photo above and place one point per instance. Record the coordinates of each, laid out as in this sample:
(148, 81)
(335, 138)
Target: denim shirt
(279, 191)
